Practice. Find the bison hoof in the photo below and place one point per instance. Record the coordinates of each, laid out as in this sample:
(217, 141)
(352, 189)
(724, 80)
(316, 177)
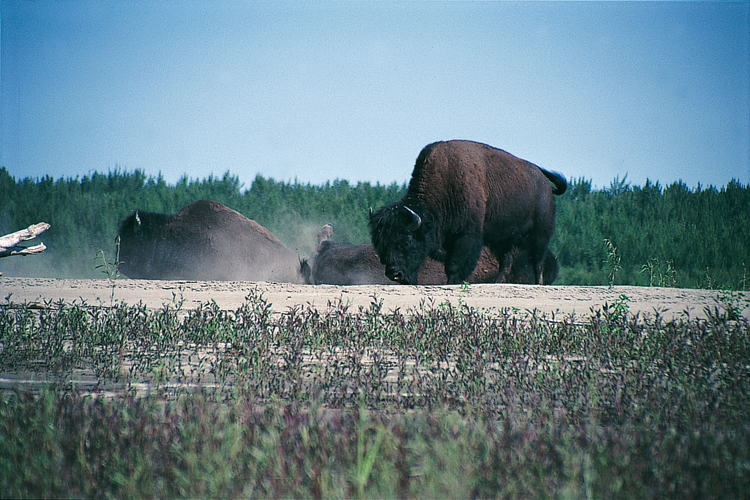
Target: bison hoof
(454, 279)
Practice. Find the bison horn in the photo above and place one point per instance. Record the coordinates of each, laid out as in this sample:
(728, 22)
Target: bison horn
(417, 219)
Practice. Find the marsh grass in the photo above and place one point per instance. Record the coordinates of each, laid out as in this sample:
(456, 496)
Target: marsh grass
(438, 401)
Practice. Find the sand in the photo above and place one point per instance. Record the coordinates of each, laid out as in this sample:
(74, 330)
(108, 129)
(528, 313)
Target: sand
(492, 298)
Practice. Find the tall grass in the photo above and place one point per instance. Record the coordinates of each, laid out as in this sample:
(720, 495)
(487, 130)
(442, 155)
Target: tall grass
(438, 401)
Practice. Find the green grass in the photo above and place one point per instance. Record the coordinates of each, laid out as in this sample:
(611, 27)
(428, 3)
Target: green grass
(439, 401)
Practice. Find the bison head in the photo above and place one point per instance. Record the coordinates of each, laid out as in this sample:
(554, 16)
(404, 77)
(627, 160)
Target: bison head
(402, 239)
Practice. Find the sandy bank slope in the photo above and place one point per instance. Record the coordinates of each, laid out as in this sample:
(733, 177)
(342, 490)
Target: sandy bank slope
(229, 295)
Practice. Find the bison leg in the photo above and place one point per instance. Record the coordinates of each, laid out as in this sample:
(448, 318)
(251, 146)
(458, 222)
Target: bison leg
(506, 264)
(462, 258)
(539, 266)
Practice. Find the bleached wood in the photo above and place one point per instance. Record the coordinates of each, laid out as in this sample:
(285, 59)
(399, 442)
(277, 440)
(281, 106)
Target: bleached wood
(9, 242)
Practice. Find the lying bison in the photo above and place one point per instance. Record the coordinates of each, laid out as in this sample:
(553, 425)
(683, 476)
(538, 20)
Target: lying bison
(345, 264)
(204, 241)
(462, 196)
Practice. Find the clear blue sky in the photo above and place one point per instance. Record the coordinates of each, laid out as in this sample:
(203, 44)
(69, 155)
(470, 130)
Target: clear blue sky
(318, 91)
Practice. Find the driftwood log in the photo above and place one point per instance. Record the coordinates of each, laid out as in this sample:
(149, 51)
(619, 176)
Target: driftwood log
(9, 244)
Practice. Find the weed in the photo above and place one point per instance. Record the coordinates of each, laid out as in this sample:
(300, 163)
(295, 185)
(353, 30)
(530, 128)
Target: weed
(438, 401)
(660, 274)
(112, 270)
(612, 262)
(366, 459)
(744, 281)
(618, 310)
(734, 303)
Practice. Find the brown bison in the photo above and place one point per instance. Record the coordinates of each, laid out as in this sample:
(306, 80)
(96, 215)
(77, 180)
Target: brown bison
(462, 196)
(345, 264)
(521, 271)
(204, 241)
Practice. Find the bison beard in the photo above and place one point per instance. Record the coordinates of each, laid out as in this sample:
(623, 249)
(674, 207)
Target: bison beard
(464, 195)
(401, 249)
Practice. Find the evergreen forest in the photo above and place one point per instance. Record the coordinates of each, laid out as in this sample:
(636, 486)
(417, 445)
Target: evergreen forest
(648, 235)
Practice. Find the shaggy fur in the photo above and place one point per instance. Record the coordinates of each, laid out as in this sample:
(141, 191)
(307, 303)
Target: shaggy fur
(345, 264)
(522, 271)
(467, 195)
(204, 241)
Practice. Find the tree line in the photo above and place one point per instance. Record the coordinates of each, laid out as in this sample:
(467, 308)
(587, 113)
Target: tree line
(623, 234)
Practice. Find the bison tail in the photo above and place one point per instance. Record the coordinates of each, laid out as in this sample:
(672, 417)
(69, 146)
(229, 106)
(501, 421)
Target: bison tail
(558, 180)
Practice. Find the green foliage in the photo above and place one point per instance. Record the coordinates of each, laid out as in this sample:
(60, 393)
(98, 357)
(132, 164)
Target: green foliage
(662, 274)
(440, 402)
(676, 233)
(734, 304)
(673, 236)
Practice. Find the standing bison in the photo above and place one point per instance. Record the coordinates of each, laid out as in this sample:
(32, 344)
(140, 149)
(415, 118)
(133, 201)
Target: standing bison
(204, 241)
(462, 196)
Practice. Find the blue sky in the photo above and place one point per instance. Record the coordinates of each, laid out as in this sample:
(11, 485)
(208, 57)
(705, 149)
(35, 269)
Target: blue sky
(318, 91)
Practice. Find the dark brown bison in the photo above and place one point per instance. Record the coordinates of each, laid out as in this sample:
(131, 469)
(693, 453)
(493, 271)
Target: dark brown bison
(345, 264)
(462, 196)
(204, 241)
(521, 271)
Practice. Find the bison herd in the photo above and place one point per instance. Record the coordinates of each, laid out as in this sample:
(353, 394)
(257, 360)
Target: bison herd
(471, 213)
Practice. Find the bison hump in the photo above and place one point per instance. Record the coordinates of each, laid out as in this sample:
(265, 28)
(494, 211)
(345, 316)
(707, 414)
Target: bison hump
(208, 214)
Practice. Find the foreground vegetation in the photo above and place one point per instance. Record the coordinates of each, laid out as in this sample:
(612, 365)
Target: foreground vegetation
(434, 402)
(666, 236)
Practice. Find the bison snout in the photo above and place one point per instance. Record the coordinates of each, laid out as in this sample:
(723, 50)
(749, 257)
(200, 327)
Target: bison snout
(396, 275)
(400, 276)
